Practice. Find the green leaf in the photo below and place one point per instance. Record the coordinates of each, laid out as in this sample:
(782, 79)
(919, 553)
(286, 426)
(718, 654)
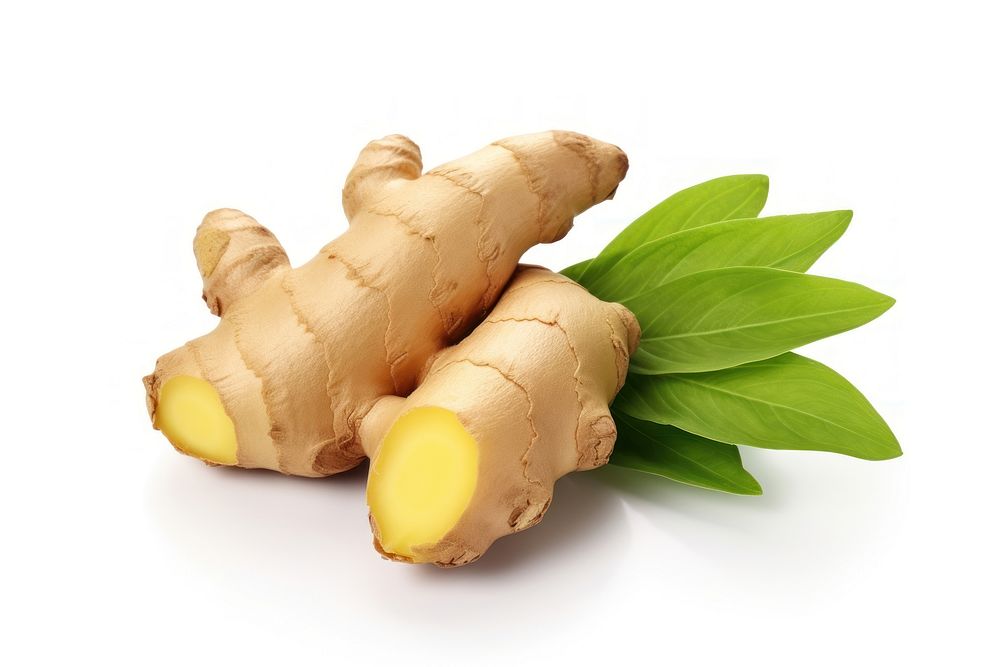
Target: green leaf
(791, 242)
(725, 317)
(574, 272)
(788, 402)
(683, 457)
(719, 199)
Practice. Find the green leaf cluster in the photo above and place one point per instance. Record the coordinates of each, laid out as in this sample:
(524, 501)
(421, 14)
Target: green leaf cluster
(722, 298)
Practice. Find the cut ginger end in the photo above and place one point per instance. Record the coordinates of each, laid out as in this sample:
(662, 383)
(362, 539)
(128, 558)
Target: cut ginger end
(422, 479)
(190, 413)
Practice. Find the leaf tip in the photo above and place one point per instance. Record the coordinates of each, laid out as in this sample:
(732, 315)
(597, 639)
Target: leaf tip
(888, 448)
(893, 451)
(759, 181)
(884, 301)
(763, 181)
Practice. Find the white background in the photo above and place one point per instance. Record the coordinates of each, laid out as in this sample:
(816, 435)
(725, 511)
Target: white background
(121, 126)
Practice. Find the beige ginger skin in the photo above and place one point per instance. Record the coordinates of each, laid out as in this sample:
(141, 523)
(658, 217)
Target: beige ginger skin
(531, 387)
(300, 356)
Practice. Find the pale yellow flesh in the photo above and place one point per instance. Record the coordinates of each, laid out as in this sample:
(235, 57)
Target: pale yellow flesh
(190, 413)
(422, 479)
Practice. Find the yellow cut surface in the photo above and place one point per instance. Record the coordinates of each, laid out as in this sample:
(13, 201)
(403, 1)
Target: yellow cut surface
(422, 479)
(190, 413)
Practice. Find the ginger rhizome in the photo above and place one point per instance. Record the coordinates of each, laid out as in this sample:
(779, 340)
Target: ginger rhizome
(300, 355)
(473, 453)
(472, 384)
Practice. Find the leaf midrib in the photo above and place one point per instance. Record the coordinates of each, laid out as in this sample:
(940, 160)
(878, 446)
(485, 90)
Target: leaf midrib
(775, 405)
(698, 210)
(742, 327)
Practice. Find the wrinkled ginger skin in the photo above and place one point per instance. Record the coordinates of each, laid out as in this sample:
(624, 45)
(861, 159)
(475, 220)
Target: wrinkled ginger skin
(300, 355)
(531, 385)
(235, 255)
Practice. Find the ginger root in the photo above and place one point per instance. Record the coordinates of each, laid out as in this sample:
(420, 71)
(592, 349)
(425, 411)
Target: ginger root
(301, 355)
(472, 383)
(473, 453)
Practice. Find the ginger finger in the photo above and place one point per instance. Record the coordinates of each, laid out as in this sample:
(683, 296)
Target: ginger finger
(473, 453)
(235, 255)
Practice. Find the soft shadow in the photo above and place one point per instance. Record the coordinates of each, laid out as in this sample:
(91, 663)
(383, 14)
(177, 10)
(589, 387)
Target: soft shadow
(585, 520)
(549, 570)
(306, 545)
(261, 519)
(256, 520)
(820, 515)
(680, 510)
(647, 491)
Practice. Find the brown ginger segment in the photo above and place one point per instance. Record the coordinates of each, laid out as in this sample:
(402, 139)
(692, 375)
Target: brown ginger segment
(235, 255)
(468, 246)
(532, 385)
(380, 162)
(490, 232)
(268, 328)
(600, 171)
(222, 363)
(581, 160)
(595, 438)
